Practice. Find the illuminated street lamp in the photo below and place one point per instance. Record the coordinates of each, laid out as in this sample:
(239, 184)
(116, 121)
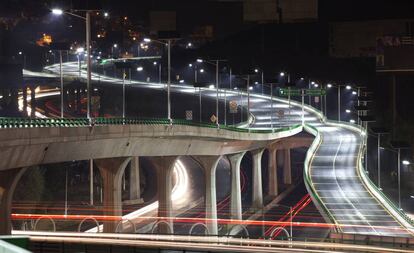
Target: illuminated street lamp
(87, 20)
(348, 87)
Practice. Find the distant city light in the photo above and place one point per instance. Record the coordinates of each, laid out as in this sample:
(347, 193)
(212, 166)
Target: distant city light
(199, 60)
(354, 92)
(352, 121)
(106, 14)
(250, 87)
(329, 85)
(316, 85)
(405, 162)
(211, 86)
(256, 70)
(235, 88)
(57, 11)
(80, 50)
(256, 82)
(348, 87)
(282, 73)
(313, 83)
(189, 44)
(302, 78)
(20, 53)
(140, 68)
(147, 40)
(181, 81)
(190, 65)
(348, 111)
(155, 63)
(201, 70)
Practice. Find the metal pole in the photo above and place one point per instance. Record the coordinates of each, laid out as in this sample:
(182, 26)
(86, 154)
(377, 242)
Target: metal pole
(169, 82)
(303, 107)
(399, 178)
(271, 107)
(88, 62)
(79, 64)
(225, 108)
(379, 161)
(262, 82)
(248, 96)
(159, 73)
(61, 84)
(291, 223)
(309, 96)
(66, 192)
(325, 101)
(339, 102)
(91, 182)
(123, 93)
(217, 94)
(199, 96)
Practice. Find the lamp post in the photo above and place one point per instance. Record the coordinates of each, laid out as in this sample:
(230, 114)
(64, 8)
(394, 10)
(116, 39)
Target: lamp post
(168, 44)
(87, 20)
(398, 145)
(216, 64)
(338, 86)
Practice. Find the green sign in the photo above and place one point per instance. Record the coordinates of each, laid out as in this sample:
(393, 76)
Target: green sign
(292, 92)
(315, 92)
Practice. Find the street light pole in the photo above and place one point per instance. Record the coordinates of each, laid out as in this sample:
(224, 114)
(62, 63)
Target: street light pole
(262, 82)
(88, 62)
(61, 84)
(169, 80)
(379, 161)
(339, 102)
(399, 178)
(217, 94)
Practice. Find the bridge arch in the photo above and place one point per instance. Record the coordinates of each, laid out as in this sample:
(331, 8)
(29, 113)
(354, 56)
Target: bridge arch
(161, 222)
(121, 223)
(280, 229)
(45, 218)
(89, 218)
(232, 231)
(199, 224)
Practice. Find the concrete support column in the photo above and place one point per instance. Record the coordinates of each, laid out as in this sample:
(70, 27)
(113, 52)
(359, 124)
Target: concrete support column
(134, 180)
(287, 167)
(257, 196)
(111, 170)
(8, 183)
(32, 101)
(209, 164)
(24, 91)
(164, 166)
(272, 173)
(236, 206)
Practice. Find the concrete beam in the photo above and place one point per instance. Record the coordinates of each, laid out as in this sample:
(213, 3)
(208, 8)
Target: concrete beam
(111, 170)
(209, 165)
(8, 183)
(236, 205)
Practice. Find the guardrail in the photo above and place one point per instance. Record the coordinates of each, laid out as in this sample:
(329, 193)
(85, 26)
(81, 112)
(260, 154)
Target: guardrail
(83, 122)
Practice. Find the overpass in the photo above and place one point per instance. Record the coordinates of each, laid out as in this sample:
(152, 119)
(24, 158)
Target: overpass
(334, 174)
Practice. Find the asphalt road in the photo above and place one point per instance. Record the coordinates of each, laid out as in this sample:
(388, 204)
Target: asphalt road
(333, 170)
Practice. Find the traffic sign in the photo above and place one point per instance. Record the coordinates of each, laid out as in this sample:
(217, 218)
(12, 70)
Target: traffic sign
(233, 106)
(315, 92)
(292, 92)
(189, 115)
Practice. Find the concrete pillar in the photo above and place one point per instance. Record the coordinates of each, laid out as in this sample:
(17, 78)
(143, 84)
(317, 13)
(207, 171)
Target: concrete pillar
(257, 196)
(32, 101)
(8, 183)
(134, 181)
(287, 167)
(24, 90)
(209, 165)
(164, 166)
(111, 170)
(236, 206)
(272, 173)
